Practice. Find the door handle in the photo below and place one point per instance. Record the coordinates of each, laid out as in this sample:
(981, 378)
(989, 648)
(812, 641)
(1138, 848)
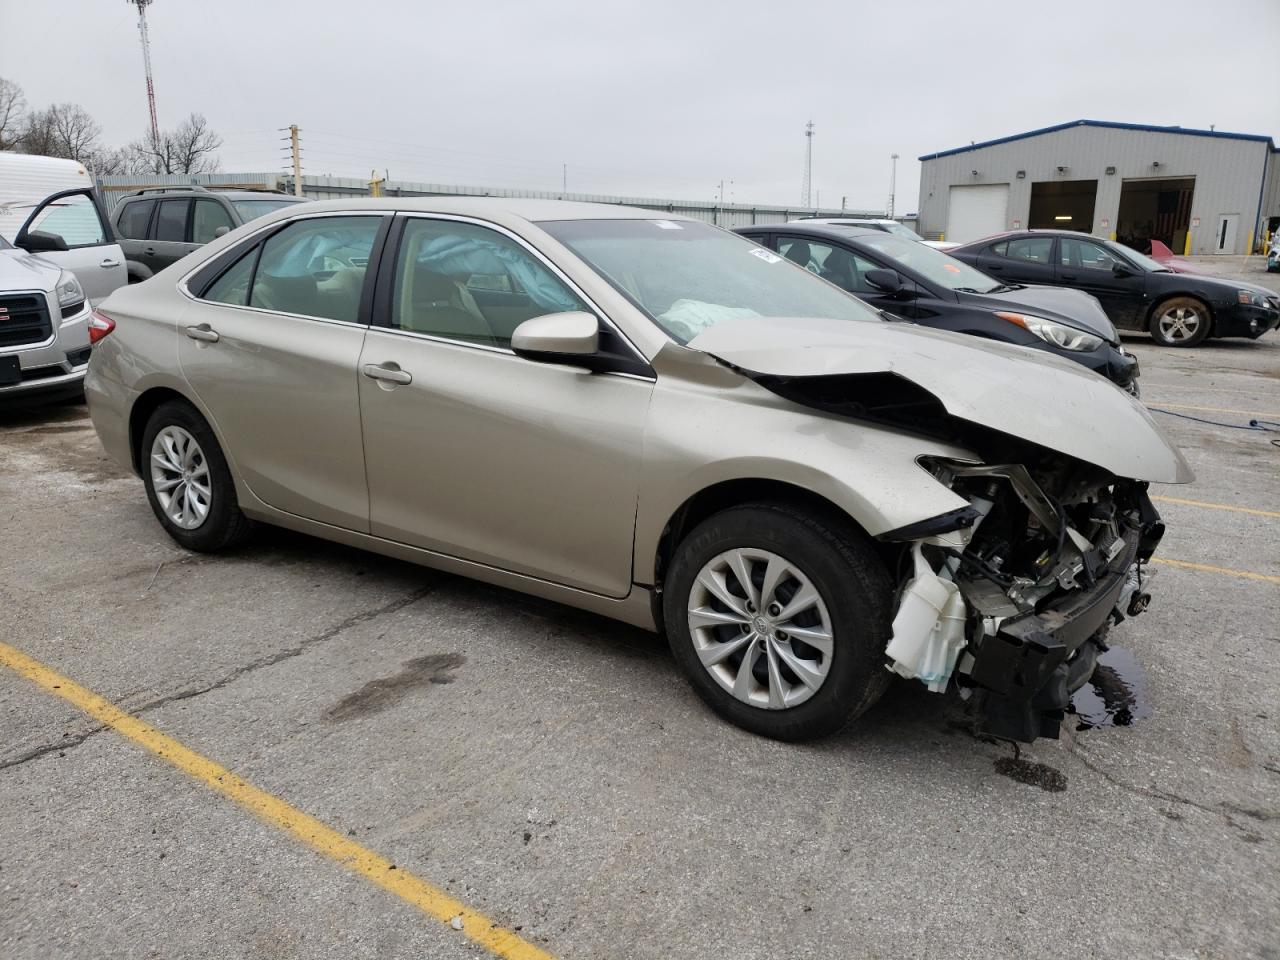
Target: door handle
(388, 372)
(108, 263)
(1067, 276)
(203, 332)
(149, 251)
(993, 266)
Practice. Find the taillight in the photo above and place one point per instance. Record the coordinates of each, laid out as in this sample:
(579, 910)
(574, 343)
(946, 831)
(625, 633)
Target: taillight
(99, 326)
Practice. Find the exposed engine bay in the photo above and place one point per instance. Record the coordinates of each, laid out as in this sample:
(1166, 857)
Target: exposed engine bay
(1012, 597)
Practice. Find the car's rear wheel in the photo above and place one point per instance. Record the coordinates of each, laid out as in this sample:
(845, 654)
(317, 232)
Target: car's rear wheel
(188, 482)
(1180, 322)
(779, 620)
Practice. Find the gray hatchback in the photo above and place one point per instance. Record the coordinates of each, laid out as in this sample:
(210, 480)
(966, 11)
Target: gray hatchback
(161, 225)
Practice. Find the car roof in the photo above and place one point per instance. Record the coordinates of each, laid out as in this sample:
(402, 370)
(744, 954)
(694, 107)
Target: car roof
(172, 194)
(1038, 232)
(832, 231)
(495, 209)
(847, 221)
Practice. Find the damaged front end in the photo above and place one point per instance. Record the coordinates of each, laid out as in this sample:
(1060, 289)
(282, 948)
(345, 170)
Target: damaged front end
(1011, 597)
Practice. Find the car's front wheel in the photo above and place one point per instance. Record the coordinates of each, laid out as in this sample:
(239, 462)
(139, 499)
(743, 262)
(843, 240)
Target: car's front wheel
(1180, 322)
(779, 619)
(188, 482)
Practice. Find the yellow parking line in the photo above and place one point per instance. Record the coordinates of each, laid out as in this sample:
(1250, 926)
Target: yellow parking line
(1187, 406)
(430, 900)
(1218, 506)
(1208, 568)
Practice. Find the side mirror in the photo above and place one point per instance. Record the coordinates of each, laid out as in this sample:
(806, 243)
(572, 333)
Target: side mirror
(37, 241)
(882, 279)
(1120, 270)
(221, 232)
(557, 337)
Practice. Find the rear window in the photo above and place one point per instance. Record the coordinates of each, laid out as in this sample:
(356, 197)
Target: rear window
(134, 219)
(171, 224)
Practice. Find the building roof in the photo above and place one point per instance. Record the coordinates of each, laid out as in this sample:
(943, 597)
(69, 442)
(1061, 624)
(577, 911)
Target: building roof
(1146, 128)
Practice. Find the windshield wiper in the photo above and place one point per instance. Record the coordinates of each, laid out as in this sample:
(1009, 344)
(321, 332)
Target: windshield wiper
(964, 290)
(1000, 287)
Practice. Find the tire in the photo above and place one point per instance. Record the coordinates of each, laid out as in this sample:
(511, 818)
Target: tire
(220, 525)
(1180, 322)
(855, 594)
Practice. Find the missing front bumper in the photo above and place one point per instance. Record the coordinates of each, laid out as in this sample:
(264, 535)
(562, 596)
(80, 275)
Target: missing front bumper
(1027, 670)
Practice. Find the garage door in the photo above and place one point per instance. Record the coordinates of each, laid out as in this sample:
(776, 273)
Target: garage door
(977, 211)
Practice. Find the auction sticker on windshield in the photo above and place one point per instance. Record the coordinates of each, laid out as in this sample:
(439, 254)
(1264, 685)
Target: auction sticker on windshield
(666, 224)
(765, 255)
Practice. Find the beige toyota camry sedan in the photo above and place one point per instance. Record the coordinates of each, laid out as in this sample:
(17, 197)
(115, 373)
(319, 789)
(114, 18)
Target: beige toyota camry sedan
(654, 419)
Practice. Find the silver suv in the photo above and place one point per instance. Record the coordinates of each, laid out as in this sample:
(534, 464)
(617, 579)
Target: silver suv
(46, 325)
(161, 225)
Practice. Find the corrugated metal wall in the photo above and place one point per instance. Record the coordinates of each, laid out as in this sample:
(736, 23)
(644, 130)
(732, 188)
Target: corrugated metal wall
(1228, 176)
(328, 188)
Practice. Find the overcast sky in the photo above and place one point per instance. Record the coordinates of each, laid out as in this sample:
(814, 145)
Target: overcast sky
(657, 99)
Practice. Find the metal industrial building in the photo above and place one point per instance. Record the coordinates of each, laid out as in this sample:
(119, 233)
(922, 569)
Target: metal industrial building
(1197, 191)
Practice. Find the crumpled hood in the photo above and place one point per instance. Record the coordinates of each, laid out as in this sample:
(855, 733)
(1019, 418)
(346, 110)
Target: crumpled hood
(1073, 307)
(19, 270)
(1027, 393)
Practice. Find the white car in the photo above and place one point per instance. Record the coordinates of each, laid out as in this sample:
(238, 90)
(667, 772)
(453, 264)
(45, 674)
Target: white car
(881, 224)
(58, 257)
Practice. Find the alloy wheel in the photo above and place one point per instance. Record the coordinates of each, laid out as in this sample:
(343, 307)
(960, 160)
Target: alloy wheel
(180, 477)
(1179, 324)
(760, 628)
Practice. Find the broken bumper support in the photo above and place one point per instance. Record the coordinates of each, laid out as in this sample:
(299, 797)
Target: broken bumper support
(1029, 668)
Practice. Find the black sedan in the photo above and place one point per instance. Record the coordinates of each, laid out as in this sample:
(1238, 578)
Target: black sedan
(1178, 309)
(911, 280)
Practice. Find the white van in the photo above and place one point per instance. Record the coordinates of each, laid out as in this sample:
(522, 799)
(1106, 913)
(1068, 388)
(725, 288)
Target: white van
(49, 207)
(58, 257)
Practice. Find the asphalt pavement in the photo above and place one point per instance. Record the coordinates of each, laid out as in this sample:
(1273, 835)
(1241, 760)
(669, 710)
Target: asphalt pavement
(552, 771)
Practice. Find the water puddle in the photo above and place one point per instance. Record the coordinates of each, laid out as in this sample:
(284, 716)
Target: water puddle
(1116, 694)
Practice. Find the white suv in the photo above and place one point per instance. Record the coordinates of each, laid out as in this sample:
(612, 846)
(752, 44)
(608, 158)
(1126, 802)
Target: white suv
(58, 256)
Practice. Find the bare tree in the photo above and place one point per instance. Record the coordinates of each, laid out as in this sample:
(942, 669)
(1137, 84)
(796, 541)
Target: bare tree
(191, 147)
(12, 106)
(62, 130)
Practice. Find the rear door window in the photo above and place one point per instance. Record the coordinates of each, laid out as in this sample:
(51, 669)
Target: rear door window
(134, 219)
(171, 223)
(316, 267)
(1032, 250)
(233, 286)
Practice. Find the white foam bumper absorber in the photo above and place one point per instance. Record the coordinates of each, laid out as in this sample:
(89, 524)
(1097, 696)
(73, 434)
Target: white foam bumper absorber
(928, 631)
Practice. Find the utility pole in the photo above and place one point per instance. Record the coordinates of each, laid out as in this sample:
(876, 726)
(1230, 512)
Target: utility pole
(146, 63)
(720, 201)
(296, 153)
(564, 178)
(808, 163)
(375, 183)
(893, 182)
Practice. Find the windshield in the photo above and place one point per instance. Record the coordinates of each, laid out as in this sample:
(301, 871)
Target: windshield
(252, 209)
(1132, 255)
(932, 264)
(688, 276)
